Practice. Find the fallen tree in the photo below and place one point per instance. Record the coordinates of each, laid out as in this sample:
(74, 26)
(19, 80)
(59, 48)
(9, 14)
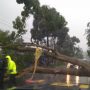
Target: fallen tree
(64, 71)
(55, 54)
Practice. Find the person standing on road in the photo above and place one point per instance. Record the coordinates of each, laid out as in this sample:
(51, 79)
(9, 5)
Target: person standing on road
(11, 71)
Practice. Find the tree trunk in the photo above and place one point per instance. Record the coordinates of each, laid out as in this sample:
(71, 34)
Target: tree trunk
(57, 56)
(64, 71)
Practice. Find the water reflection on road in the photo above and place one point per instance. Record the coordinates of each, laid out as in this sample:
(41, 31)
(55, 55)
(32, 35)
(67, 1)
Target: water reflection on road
(58, 79)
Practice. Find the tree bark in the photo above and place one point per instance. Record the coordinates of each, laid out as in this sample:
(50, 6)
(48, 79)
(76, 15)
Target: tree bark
(64, 71)
(57, 56)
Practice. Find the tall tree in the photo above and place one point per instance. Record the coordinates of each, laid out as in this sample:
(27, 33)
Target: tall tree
(47, 23)
(7, 37)
(30, 7)
(19, 25)
(88, 37)
(69, 47)
(4, 37)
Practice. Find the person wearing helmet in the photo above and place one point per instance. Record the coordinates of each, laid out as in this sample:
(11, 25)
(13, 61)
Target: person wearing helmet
(11, 71)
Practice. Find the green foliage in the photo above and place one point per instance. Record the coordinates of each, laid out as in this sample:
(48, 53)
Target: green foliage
(4, 37)
(24, 60)
(88, 37)
(68, 47)
(31, 7)
(75, 40)
(19, 1)
(7, 38)
(19, 25)
(78, 53)
(47, 23)
(88, 51)
(62, 35)
(12, 36)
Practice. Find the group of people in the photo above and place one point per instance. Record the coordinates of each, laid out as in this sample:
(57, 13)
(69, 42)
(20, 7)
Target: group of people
(7, 68)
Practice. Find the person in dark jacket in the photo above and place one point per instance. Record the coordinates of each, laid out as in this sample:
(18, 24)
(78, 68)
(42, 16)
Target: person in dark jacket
(3, 69)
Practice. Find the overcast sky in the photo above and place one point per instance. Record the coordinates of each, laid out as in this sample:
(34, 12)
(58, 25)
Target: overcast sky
(76, 13)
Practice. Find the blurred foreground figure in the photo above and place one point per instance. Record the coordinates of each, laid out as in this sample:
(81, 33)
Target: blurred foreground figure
(3, 69)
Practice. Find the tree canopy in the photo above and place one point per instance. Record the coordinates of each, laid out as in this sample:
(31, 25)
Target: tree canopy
(49, 28)
(88, 37)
